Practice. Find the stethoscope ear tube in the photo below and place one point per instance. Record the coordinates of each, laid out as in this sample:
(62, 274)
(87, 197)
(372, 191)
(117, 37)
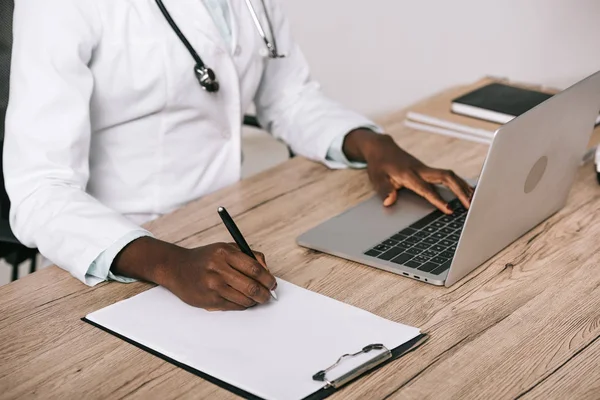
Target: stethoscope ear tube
(206, 76)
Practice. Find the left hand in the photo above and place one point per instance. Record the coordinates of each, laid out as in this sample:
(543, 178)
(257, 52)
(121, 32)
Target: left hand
(390, 169)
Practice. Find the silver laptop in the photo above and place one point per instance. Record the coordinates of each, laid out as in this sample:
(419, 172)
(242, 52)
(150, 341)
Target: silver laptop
(527, 175)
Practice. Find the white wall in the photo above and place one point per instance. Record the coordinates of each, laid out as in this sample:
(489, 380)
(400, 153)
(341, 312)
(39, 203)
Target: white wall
(379, 55)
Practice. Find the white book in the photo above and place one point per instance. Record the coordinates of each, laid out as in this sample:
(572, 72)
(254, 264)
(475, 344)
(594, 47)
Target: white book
(447, 132)
(271, 351)
(444, 128)
(486, 115)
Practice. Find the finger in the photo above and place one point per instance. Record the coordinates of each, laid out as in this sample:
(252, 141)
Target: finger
(449, 179)
(251, 268)
(425, 190)
(261, 258)
(247, 286)
(385, 189)
(234, 296)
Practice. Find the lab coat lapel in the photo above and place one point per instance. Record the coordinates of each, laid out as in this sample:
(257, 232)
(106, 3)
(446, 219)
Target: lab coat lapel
(193, 17)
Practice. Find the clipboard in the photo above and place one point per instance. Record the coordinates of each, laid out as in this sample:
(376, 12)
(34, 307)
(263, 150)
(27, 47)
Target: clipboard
(318, 345)
(330, 386)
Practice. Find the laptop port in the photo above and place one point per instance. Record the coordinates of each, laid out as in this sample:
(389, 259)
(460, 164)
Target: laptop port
(418, 277)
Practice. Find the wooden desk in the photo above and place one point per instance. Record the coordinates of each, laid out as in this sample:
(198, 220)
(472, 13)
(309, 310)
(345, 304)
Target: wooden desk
(525, 324)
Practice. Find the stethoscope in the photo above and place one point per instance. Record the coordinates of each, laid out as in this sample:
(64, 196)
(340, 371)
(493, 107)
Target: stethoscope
(206, 76)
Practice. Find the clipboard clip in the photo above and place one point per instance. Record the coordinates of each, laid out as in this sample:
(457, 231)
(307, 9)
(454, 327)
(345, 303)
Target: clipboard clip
(321, 376)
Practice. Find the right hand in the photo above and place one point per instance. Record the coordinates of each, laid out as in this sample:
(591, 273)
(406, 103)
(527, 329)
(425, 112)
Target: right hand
(214, 277)
(220, 277)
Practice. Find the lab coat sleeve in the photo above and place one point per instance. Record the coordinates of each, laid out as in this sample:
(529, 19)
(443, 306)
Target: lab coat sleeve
(47, 138)
(100, 271)
(336, 154)
(291, 105)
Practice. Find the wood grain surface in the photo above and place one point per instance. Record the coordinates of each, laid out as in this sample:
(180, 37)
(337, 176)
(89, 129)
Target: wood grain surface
(525, 324)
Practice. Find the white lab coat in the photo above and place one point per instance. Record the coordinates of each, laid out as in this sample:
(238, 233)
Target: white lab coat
(108, 128)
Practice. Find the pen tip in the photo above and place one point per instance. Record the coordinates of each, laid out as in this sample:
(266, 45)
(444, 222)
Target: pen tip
(220, 209)
(274, 295)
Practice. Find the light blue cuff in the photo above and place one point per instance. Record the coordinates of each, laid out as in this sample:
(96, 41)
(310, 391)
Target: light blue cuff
(336, 152)
(99, 270)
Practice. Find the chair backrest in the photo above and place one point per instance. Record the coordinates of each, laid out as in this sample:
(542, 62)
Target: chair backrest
(6, 16)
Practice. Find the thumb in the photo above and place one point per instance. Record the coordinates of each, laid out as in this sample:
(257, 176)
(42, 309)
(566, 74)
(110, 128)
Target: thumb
(386, 190)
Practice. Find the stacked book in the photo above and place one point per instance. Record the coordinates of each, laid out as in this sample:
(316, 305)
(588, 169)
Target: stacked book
(474, 112)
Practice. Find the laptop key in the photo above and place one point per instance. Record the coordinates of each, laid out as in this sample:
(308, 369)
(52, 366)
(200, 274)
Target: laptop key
(428, 267)
(404, 245)
(402, 258)
(414, 251)
(420, 259)
(446, 243)
(447, 231)
(411, 240)
(407, 231)
(381, 247)
(437, 248)
(412, 264)
(426, 220)
(390, 242)
(421, 234)
(372, 253)
(452, 248)
(454, 238)
(454, 225)
(399, 237)
(438, 235)
(438, 224)
(454, 203)
(391, 253)
(439, 260)
(430, 229)
(429, 253)
(447, 254)
(446, 219)
(430, 240)
(422, 246)
(441, 268)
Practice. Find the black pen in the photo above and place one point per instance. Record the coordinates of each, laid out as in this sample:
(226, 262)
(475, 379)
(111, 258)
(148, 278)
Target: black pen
(237, 236)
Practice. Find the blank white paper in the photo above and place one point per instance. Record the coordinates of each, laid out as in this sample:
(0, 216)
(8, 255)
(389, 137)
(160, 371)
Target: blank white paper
(271, 351)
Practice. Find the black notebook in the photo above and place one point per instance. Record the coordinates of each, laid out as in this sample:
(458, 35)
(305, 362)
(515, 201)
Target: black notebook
(498, 102)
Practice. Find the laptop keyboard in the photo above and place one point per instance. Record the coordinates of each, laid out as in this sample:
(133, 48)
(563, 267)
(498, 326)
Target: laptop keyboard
(428, 245)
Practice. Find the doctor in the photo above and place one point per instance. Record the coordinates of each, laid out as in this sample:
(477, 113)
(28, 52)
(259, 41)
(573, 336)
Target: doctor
(123, 110)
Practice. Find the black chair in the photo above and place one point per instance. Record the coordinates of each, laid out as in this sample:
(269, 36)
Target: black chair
(11, 250)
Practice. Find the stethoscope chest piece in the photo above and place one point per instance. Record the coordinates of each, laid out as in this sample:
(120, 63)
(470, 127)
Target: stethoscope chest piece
(207, 78)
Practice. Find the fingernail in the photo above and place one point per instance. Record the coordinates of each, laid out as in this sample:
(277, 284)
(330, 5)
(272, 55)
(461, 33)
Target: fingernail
(388, 201)
(448, 208)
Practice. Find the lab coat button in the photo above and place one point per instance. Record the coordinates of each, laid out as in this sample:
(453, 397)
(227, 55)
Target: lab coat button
(238, 51)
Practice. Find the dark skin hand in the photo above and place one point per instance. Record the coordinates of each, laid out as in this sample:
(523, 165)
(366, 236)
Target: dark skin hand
(215, 277)
(390, 169)
(220, 277)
